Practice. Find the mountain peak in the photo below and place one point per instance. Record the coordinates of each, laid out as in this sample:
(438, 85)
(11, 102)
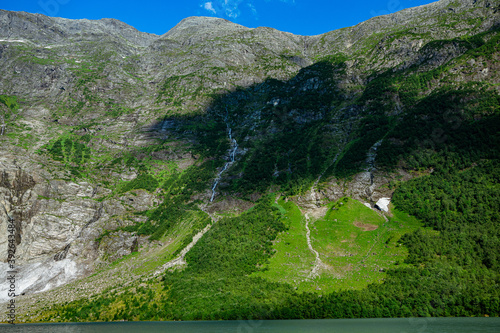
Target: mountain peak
(42, 29)
(203, 27)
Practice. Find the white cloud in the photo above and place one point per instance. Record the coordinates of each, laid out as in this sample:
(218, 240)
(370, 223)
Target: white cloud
(208, 6)
(253, 10)
(232, 8)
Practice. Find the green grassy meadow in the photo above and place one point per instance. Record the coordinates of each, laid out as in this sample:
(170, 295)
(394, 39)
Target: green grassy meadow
(356, 245)
(292, 260)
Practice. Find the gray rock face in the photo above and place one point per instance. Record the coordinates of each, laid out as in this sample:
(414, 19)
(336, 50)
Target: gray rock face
(41, 29)
(364, 186)
(118, 244)
(195, 29)
(57, 224)
(45, 229)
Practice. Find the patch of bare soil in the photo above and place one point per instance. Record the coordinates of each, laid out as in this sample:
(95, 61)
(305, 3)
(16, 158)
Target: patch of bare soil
(365, 226)
(335, 272)
(318, 213)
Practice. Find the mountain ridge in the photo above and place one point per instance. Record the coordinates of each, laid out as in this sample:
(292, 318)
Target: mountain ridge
(25, 24)
(400, 17)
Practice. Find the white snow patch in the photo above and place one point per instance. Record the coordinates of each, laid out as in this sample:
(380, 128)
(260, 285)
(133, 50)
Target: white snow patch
(38, 277)
(367, 205)
(13, 40)
(383, 204)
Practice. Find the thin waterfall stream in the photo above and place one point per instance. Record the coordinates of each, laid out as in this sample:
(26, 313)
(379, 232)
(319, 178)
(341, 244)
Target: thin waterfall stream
(232, 154)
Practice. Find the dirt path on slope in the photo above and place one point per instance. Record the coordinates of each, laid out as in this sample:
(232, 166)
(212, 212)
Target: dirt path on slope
(179, 261)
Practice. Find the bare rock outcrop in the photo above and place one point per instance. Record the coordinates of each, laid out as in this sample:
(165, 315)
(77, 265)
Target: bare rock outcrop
(57, 225)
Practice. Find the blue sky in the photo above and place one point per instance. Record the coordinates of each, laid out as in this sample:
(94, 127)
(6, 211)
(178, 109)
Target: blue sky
(303, 17)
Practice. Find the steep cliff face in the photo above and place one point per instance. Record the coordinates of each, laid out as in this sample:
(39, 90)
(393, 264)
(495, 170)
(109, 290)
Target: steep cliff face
(106, 130)
(58, 223)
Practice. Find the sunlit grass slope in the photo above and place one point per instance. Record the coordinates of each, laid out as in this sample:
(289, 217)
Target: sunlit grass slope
(356, 245)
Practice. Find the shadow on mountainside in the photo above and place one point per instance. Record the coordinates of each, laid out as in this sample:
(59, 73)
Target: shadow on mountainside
(286, 132)
(289, 132)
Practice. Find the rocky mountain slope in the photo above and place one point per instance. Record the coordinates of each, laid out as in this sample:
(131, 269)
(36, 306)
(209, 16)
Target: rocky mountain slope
(118, 146)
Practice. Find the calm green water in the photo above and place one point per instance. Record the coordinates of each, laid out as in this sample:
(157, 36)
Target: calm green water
(417, 325)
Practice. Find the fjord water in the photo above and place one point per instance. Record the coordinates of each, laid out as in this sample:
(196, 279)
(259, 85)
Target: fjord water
(382, 325)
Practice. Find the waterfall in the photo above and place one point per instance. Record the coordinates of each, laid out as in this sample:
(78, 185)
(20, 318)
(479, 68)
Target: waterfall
(232, 154)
